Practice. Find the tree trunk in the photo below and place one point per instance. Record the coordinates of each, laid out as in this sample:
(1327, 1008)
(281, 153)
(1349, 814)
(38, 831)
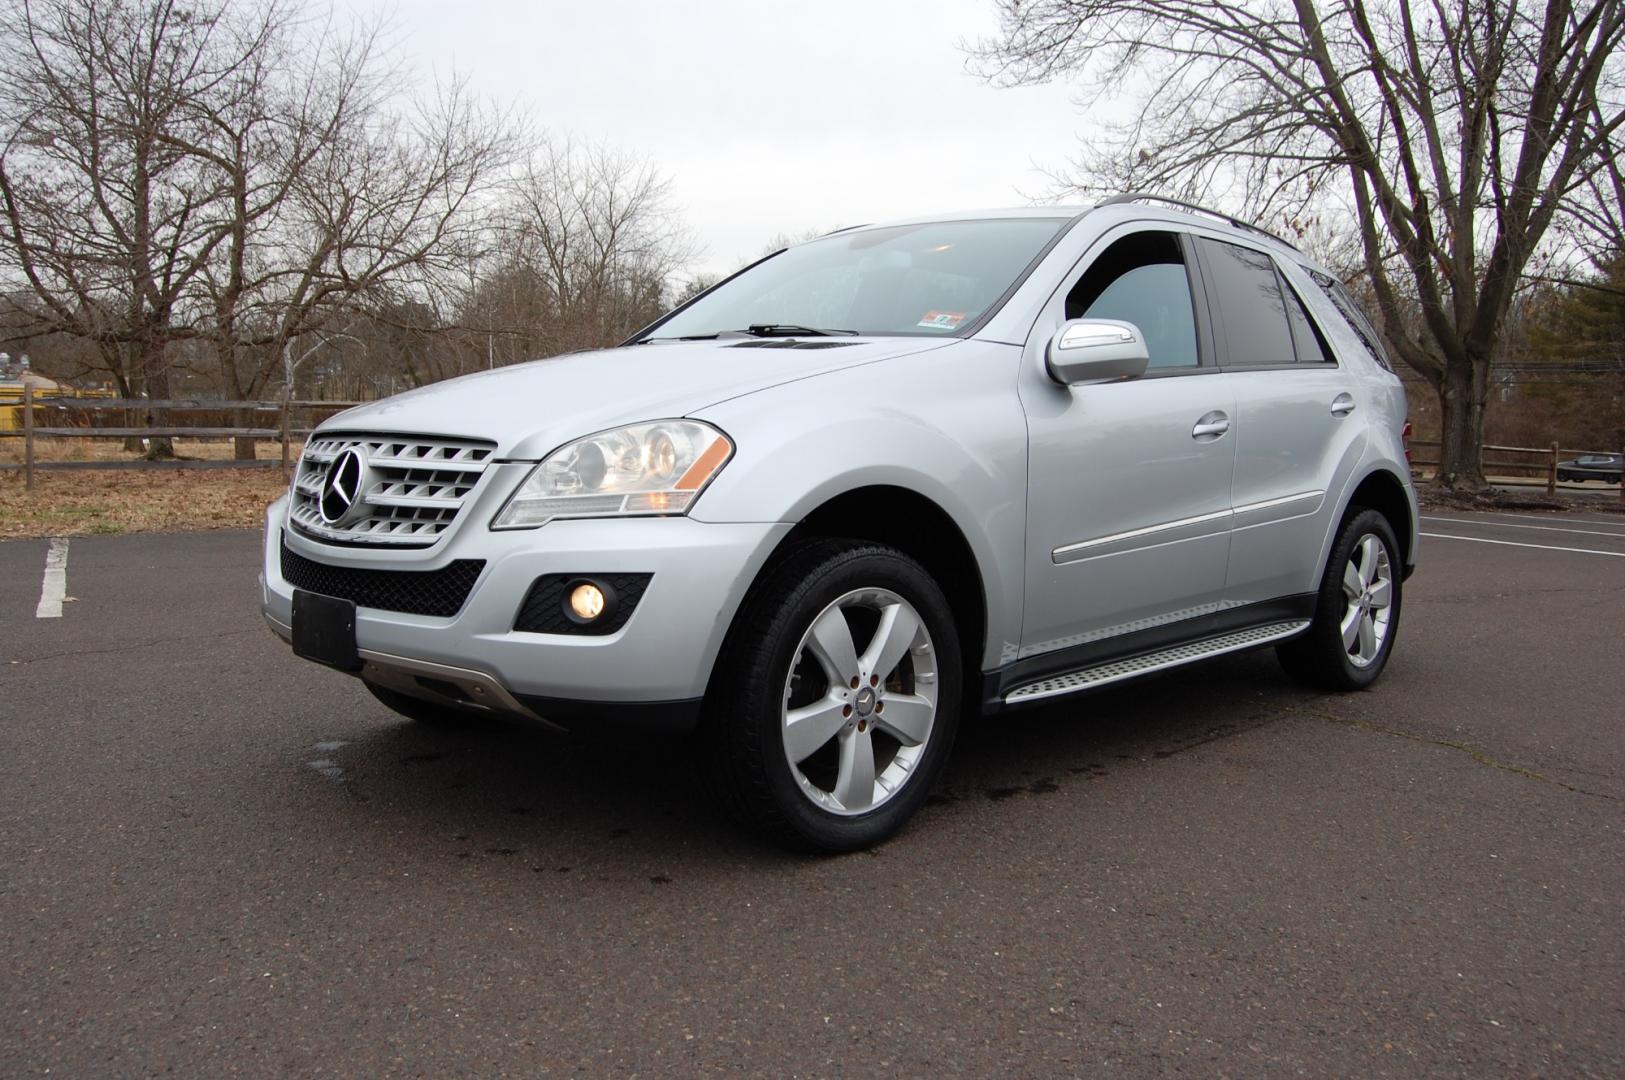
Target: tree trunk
(155, 379)
(242, 446)
(1462, 393)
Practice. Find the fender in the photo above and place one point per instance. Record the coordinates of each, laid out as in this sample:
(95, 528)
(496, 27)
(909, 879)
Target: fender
(960, 445)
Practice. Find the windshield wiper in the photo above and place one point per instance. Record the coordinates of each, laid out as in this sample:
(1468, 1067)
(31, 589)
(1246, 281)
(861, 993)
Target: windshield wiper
(792, 330)
(758, 330)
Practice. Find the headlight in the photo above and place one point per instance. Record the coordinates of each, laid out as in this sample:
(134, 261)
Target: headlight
(642, 469)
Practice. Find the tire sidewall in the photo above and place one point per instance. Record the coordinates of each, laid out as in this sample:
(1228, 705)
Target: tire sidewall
(1332, 604)
(824, 584)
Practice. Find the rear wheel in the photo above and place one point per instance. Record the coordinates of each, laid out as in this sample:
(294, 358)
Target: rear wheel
(834, 707)
(1356, 612)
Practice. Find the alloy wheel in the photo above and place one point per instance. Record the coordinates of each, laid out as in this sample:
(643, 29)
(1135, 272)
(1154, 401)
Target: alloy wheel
(860, 701)
(1368, 591)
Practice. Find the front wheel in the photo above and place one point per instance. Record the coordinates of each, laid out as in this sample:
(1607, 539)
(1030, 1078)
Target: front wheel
(834, 706)
(1356, 610)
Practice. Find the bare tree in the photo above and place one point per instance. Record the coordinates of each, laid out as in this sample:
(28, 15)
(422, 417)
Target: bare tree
(383, 201)
(1452, 138)
(597, 227)
(235, 174)
(107, 218)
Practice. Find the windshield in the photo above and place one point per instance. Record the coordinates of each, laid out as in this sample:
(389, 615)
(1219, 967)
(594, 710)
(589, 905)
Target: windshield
(931, 279)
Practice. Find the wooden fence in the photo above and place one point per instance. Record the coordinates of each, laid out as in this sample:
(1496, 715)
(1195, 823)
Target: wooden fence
(281, 424)
(1515, 463)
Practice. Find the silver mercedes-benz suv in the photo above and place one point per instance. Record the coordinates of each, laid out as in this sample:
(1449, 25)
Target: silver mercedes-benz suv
(867, 485)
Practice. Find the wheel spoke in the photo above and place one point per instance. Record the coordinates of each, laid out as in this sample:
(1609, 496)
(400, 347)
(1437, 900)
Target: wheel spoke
(808, 728)
(907, 718)
(1351, 628)
(1382, 593)
(1368, 637)
(1352, 585)
(831, 643)
(1369, 548)
(893, 636)
(855, 782)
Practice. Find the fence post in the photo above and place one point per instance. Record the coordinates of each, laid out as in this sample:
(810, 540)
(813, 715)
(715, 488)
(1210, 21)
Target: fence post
(28, 435)
(1551, 473)
(285, 436)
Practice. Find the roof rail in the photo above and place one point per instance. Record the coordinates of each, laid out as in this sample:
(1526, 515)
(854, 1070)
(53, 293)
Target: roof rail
(1192, 208)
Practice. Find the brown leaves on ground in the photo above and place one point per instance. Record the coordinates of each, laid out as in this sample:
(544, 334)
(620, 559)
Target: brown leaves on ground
(1433, 497)
(86, 501)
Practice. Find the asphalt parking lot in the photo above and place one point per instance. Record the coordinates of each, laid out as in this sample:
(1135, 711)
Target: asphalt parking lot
(219, 860)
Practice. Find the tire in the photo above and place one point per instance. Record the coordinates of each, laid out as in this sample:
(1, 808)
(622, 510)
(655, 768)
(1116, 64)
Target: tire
(419, 711)
(1323, 656)
(782, 666)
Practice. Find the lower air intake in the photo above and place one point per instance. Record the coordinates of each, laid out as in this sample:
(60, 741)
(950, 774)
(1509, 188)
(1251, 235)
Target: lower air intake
(412, 592)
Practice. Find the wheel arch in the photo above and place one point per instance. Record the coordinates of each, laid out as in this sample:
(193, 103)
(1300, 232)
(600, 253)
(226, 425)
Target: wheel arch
(902, 518)
(1383, 491)
(919, 527)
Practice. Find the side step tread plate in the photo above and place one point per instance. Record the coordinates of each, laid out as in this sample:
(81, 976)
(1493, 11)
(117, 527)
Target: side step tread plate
(1117, 670)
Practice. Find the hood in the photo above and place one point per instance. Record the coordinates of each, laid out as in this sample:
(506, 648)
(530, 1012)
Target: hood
(530, 409)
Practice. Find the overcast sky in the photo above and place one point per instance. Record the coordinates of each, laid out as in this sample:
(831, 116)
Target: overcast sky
(769, 116)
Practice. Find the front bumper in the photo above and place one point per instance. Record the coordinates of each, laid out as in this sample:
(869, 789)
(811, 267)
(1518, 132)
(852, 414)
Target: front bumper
(651, 672)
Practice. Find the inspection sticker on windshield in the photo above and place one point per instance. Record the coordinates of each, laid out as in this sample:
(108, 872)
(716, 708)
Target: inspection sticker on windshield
(942, 320)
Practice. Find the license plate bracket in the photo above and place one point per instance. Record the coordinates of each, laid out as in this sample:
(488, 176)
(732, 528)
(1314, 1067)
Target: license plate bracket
(324, 630)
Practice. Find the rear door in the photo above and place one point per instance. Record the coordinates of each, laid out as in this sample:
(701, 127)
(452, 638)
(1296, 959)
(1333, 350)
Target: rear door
(1128, 501)
(1297, 429)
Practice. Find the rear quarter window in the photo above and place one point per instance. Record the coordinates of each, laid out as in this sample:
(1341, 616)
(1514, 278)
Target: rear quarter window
(1349, 308)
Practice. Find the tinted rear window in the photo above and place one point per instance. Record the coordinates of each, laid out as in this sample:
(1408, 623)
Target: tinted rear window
(1250, 305)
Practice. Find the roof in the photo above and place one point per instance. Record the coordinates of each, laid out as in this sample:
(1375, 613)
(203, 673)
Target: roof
(1162, 207)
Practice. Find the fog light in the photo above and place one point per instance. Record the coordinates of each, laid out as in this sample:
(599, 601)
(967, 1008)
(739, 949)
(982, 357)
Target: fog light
(587, 601)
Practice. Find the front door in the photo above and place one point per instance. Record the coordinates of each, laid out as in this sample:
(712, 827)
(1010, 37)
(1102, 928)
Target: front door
(1128, 508)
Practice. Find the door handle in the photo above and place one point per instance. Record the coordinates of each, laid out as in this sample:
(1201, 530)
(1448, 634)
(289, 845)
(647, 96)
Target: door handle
(1210, 426)
(1342, 404)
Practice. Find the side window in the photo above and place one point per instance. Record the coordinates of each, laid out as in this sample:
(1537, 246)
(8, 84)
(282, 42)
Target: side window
(1250, 306)
(1141, 279)
(1306, 336)
(1349, 308)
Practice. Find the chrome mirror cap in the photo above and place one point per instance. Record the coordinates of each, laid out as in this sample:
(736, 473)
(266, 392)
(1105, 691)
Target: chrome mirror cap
(1096, 350)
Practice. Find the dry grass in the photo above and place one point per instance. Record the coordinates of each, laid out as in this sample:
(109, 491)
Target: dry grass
(88, 501)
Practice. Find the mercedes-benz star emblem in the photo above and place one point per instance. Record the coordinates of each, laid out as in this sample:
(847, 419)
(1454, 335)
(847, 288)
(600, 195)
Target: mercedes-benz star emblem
(341, 491)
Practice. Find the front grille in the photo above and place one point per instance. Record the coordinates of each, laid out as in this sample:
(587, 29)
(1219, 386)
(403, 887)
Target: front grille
(543, 609)
(415, 592)
(412, 490)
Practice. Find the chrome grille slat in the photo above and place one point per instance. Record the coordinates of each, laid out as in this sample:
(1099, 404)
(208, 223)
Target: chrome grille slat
(475, 467)
(419, 486)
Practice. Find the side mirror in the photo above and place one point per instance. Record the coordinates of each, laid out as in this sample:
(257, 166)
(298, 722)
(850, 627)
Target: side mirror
(1096, 350)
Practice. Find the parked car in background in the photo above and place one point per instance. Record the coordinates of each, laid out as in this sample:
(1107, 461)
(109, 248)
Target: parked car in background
(866, 485)
(1604, 467)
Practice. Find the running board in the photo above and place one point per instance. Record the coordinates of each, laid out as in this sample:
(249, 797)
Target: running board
(1117, 670)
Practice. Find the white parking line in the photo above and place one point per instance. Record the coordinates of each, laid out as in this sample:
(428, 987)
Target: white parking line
(1620, 522)
(54, 586)
(1511, 525)
(1514, 543)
